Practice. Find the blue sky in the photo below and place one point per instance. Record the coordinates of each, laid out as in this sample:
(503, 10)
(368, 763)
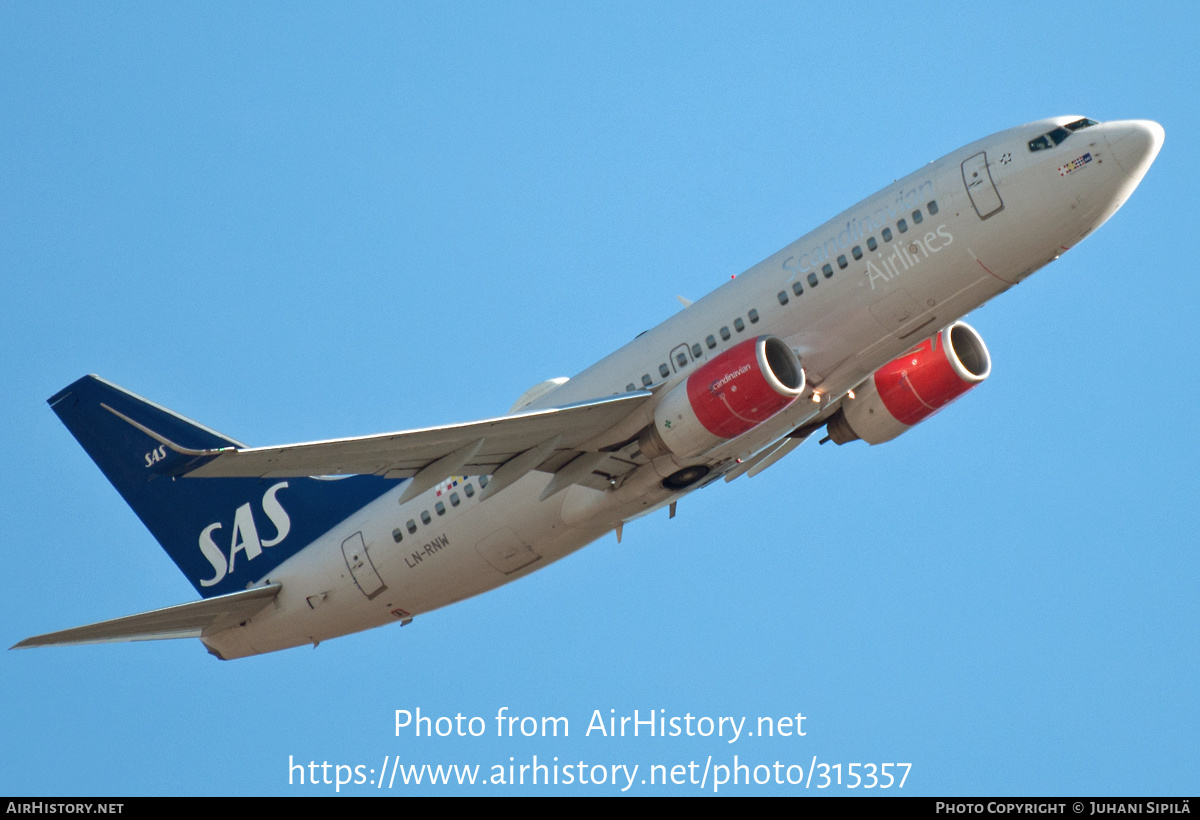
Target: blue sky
(299, 221)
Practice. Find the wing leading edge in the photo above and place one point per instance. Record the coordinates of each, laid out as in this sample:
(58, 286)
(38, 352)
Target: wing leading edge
(555, 434)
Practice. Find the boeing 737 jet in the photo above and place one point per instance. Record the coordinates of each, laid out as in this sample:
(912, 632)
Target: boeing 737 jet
(854, 330)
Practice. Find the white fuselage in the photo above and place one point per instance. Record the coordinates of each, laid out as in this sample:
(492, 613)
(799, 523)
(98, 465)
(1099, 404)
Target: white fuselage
(943, 259)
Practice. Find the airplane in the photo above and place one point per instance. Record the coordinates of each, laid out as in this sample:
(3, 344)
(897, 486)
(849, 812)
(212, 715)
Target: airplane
(856, 328)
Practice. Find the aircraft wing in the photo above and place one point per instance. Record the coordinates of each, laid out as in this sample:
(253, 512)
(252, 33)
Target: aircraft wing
(183, 621)
(528, 439)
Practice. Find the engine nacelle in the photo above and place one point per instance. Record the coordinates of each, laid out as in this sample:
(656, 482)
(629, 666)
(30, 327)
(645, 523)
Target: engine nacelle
(913, 387)
(723, 398)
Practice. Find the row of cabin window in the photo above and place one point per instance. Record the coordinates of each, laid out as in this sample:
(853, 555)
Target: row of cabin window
(797, 288)
(697, 351)
(439, 508)
(857, 252)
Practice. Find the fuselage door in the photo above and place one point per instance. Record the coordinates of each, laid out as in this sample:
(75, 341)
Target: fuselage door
(354, 550)
(681, 357)
(505, 551)
(978, 179)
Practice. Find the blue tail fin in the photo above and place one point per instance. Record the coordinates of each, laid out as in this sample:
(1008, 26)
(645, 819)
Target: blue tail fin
(223, 533)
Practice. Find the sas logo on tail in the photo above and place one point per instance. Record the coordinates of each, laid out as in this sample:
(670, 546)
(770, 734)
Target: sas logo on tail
(244, 537)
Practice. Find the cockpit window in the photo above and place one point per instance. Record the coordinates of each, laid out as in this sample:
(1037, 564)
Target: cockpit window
(1041, 142)
(1079, 124)
(1050, 140)
(1058, 135)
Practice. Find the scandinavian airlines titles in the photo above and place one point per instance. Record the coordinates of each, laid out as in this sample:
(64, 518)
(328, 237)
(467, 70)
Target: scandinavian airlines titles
(908, 256)
(861, 226)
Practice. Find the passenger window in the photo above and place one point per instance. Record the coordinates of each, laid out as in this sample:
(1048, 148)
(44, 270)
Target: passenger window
(664, 371)
(783, 297)
(902, 226)
(454, 500)
(646, 380)
(629, 388)
(917, 217)
(842, 263)
(711, 341)
(412, 526)
(725, 334)
(812, 278)
(887, 234)
(696, 351)
(932, 206)
(871, 243)
(440, 508)
(753, 316)
(483, 480)
(857, 252)
(425, 517)
(797, 288)
(397, 536)
(739, 325)
(469, 490)
(681, 359)
(826, 269)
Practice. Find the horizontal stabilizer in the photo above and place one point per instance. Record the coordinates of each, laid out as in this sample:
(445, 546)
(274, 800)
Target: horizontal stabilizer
(183, 621)
(405, 454)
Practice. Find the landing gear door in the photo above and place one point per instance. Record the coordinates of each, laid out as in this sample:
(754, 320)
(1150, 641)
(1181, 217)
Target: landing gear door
(354, 550)
(978, 179)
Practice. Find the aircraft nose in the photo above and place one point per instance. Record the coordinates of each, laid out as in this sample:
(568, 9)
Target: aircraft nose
(1134, 145)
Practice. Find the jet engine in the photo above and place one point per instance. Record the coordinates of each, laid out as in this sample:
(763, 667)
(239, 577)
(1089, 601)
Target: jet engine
(913, 387)
(724, 398)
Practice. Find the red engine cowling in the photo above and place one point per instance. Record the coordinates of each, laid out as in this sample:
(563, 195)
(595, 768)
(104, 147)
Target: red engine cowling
(913, 387)
(726, 397)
